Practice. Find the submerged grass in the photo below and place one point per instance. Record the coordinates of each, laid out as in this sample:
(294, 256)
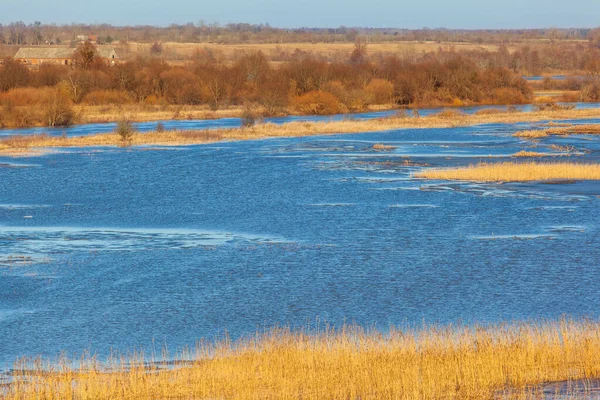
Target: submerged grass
(516, 172)
(25, 144)
(457, 362)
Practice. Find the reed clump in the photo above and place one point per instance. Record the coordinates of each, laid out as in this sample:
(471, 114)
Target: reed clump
(588, 129)
(457, 362)
(383, 147)
(516, 172)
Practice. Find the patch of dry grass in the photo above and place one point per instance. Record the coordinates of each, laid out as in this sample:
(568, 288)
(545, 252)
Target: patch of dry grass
(25, 144)
(87, 114)
(509, 360)
(589, 129)
(516, 172)
(525, 153)
(383, 147)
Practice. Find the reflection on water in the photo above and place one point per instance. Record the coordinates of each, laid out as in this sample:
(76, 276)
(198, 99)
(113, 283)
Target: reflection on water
(112, 249)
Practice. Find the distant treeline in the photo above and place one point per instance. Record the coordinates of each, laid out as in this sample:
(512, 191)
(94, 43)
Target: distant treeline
(19, 33)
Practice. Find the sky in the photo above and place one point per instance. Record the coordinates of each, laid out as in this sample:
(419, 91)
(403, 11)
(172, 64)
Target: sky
(414, 14)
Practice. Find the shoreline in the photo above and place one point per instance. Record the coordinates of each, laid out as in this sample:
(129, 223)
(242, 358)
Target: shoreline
(98, 114)
(455, 361)
(31, 145)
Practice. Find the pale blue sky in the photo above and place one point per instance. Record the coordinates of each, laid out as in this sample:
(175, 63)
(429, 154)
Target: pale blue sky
(469, 14)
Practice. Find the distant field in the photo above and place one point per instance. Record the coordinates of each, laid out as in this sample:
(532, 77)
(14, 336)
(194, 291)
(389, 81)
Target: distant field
(176, 51)
(182, 51)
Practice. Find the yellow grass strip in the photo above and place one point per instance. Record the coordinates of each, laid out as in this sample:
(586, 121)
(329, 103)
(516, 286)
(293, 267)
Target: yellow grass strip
(444, 119)
(562, 130)
(433, 363)
(515, 172)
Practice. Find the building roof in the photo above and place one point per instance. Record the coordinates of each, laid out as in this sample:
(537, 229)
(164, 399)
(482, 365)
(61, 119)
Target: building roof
(58, 52)
(45, 52)
(106, 52)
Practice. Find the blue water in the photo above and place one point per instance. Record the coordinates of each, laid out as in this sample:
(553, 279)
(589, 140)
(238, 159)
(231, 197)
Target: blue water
(224, 123)
(541, 78)
(110, 248)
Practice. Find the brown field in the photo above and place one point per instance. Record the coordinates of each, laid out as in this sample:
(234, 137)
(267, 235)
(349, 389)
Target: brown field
(30, 145)
(178, 51)
(456, 362)
(516, 172)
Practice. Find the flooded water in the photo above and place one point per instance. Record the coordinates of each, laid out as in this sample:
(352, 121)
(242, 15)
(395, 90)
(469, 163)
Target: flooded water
(106, 249)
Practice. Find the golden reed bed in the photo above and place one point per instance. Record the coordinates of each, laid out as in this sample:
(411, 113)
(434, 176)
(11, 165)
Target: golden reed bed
(560, 130)
(502, 361)
(26, 145)
(515, 172)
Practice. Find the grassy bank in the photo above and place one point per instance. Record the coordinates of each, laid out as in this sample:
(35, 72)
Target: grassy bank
(516, 172)
(23, 145)
(515, 360)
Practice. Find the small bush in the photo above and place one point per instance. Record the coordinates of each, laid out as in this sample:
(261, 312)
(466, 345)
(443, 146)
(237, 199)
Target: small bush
(102, 97)
(591, 91)
(249, 117)
(317, 103)
(57, 111)
(160, 127)
(509, 96)
(125, 130)
(381, 91)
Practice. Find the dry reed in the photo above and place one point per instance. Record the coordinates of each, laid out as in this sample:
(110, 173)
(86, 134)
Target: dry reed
(460, 362)
(383, 147)
(291, 129)
(516, 172)
(525, 153)
(561, 130)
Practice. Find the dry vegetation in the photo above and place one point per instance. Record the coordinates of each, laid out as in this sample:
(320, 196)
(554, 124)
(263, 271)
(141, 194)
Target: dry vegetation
(340, 72)
(525, 153)
(27, 144)
(513, 361)
(516, 172)
(31, 144)
(383, 147)
(589, 129)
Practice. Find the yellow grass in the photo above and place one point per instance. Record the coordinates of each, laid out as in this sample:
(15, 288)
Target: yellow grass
(86, 114)
(516, 172)
(589, 129)
(514, 360)
(525, 153)
(383, 147)
(27, 144)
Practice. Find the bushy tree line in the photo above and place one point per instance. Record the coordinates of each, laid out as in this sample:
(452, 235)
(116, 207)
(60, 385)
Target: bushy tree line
(304, 84)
